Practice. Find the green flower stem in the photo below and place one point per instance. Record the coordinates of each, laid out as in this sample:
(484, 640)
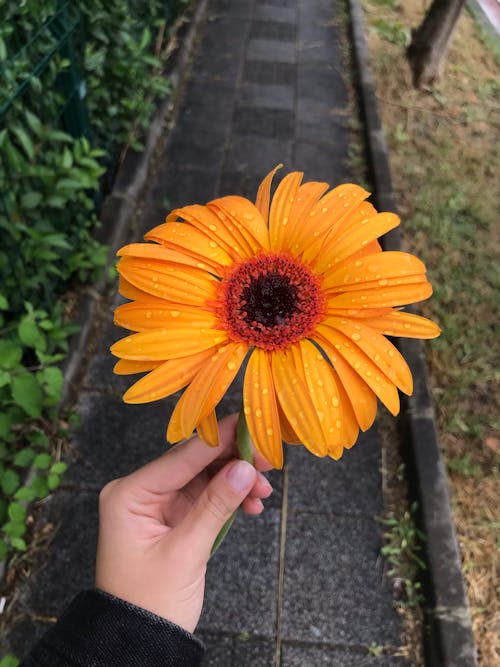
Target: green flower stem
(244, 445)
(243, 440)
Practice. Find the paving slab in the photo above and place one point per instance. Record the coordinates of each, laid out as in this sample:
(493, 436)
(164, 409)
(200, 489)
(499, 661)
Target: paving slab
(347, 486)
(335, 587)
(310, 656)
(228, 651)
(242, 578)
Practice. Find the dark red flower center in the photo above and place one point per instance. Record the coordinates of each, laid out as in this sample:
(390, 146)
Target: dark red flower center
(270, 301)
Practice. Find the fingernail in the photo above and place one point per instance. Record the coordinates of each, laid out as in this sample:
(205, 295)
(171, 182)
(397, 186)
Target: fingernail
(240, 475)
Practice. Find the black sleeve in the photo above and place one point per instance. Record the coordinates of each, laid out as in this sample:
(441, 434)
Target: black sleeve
(104, 631)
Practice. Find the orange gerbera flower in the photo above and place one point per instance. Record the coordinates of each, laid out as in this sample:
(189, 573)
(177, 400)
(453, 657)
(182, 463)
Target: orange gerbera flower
(300, 286)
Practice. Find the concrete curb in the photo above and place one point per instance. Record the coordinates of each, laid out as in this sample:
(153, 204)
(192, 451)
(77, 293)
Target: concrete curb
(119, 209)
(448, 638)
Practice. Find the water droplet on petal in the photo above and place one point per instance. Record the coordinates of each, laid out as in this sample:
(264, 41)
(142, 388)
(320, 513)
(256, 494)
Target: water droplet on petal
(335, 402)
(149, 315)
(258, 413)
(231, 365)
(269, 431)
(356, 336)
(246, 410)
(338, 423)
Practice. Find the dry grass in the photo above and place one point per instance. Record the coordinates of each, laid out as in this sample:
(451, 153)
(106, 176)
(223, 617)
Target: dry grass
(446, 163)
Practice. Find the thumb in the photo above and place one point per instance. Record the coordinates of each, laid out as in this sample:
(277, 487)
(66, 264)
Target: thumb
(222, 496)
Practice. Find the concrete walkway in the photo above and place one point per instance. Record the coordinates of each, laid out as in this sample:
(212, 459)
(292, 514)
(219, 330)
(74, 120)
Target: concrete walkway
(304, 584)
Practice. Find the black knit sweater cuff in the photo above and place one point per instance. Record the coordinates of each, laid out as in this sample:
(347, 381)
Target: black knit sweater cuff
(103, 631)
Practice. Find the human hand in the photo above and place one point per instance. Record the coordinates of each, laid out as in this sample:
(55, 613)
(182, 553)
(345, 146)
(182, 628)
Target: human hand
(157, 526)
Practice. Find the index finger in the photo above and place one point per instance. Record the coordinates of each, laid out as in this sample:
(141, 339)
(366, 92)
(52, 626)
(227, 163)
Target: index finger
(183, 462)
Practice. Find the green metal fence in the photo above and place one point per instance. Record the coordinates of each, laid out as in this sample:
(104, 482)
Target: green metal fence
(50, 57)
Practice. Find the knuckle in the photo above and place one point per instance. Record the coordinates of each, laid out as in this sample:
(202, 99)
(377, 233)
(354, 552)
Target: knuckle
(217, 505)
(109, 491)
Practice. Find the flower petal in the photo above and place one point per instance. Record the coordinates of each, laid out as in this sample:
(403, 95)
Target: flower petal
(246, 218)
(210, 224)
(393, 295)
(356, 215)
(208, 387)
(325, 216)
(406, 325)
(281, 209)
(361, 313)
(306, 199)
(287, 432)
(364, 367)
(181, 237)
(264, 194)
(168, 378)
(354, 239)
(261, 410)
(324, 394)
(149, 315)
(129, 291)
(293, 396)
(162, 344)
(180, 284)
(127, 367)
(350, 427)
(208, 429)
(361, 397)
(379, 349)
(162, 253)
(371, 285)
(378, 267)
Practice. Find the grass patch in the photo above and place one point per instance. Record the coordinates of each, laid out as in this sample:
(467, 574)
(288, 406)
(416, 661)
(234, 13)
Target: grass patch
(445, 160)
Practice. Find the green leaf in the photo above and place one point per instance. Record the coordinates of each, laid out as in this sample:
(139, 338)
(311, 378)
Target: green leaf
(30, 334)
(40, 488)
(31, 199)
(18, 543)
(59, 468)
(9, 481)
(5, 424)
(42, 461)
(53, 481)
(3, 552)
(10, 354)
(39, 438)
(24, 458)
(67, 158)
(27, 393)
(25, 493)
(35, 125)
(16, 512)
(24, 140)
(4, 304)
(52, 380)
(4, 378)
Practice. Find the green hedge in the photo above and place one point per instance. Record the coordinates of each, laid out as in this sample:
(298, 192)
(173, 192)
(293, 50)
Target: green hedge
(77, 83)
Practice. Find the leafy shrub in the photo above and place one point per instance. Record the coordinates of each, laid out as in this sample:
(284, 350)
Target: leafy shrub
(78, 80)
